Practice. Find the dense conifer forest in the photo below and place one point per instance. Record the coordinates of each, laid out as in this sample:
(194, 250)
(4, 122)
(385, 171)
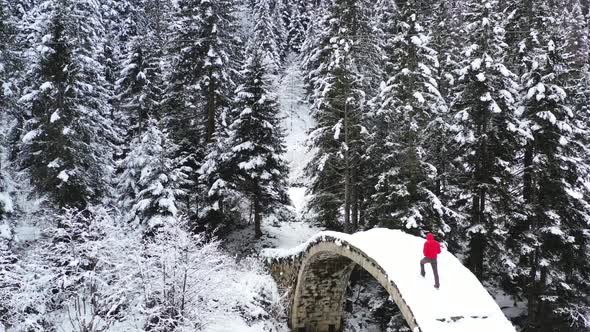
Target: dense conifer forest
(136, 136)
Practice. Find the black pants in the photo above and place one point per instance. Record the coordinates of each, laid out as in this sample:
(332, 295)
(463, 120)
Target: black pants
(434, 264)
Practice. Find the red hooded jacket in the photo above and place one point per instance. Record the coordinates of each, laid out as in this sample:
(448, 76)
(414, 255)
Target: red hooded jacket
(431, 246)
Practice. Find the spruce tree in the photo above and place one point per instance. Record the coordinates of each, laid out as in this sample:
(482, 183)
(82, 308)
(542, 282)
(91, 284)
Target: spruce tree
(121, 25)
(8, 59)
(269, 33)
(407, 111)
(298, 23)
(63, 145)
(447, 40)
(551, 244)
(152, 181)
(221, 194)
(485, 131)
(139, 88)
(9, 270)
(256, 144)
(337, 77)
(201, 82)
(387, 16)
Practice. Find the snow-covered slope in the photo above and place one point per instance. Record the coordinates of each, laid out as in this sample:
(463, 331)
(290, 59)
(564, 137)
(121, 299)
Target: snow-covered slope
(461, 303)
(296, 122)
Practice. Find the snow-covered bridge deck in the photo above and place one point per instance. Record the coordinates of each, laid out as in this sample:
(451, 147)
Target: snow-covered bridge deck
(317, 273)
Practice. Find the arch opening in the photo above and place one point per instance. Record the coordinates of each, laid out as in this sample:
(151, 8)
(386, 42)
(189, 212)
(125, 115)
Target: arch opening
(321, 285)
(368, 306)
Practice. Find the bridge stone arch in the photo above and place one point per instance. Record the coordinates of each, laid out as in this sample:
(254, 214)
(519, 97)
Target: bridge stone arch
(316, 274)
(321, 286)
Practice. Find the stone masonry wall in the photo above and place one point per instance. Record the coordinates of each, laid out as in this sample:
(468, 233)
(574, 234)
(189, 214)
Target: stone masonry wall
(321, 295)
(315, 282)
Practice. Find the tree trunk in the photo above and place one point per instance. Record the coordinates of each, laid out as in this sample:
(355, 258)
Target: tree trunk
(361, 207)
(211, 108)
(184, 281)
(347, 174)
(532, 296)
(355, 203)
(257, 218)
(476, 243)
(476, 254)
(527, 177)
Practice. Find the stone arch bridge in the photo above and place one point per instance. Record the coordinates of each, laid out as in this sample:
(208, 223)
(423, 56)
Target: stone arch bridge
(317, 272)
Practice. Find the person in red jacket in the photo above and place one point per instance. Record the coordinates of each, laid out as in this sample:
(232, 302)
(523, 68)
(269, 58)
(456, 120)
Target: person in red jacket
(431, 250)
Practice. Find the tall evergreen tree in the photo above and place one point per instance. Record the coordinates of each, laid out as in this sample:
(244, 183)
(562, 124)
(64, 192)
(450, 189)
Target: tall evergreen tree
(63, 145)
(152, 181)
(297, 25)
(9, 269)
(8, 70)
(336, 78)
(121, 24)
(204, 55)
(256, 144)
(551, 244)
(269, 33)
(485, 131)
(139, 87)
(408, 109)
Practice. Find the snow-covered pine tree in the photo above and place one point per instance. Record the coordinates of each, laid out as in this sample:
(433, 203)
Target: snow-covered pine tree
(65, 258)
(142, 62)
(203, 62)
(121, 25)
(9, 270)
(485, 133)
(155, 24)
(550, 245)
(139, 88)
(387, 16)
(269, 33)
(298, 22)
(334, 61)
(139, 95)
(446, 40)
(576, 35)
(221, 194)
(8, 58)
(63, 145)
(151, 180)
(577, 56)
(204, 44)
(256, 144)
(408, 106)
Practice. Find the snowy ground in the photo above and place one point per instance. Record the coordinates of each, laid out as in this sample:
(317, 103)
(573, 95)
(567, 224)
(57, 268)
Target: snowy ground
(283, 235)
(296, 122)
(242, 245)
